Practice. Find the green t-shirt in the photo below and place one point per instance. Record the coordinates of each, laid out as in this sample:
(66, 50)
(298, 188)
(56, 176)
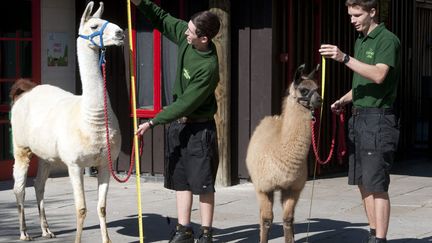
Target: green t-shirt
(380, 46)
(197, 72)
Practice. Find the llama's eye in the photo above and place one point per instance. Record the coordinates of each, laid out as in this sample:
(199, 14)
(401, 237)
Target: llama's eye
(94, 27)
(304, 92)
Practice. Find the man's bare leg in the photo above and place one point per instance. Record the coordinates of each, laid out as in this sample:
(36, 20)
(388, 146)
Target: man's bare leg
(184, 207)
(382, 214)
(207, 209)
(369, 206)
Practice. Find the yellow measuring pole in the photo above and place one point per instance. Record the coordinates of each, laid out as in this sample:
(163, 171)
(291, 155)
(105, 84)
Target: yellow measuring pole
(323, 74)
(135, 125)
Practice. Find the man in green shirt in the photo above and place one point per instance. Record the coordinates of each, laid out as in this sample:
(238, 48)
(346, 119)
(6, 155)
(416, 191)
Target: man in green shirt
(373, 128)
(191, 146)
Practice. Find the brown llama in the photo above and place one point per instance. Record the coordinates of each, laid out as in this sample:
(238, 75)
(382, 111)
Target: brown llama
(20, 86)
(277, 153)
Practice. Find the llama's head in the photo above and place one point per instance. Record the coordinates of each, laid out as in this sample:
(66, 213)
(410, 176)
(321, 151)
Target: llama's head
(305, 89)
(97, 31)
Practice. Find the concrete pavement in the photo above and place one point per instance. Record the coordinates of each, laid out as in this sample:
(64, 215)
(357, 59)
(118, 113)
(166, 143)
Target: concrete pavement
(337, 214)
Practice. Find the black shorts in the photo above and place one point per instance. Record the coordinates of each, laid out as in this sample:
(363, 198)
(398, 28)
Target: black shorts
(373, 140)
(191, 157)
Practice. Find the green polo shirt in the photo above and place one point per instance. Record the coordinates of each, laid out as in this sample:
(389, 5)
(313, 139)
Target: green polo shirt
(379, 46)
(197, 72)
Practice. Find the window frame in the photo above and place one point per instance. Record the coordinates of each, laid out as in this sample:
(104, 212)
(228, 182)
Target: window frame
(157, 71)
(7, 165)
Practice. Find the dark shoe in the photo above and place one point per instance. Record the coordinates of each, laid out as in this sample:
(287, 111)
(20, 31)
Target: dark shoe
(370, 239)
(182, 235)
(378, 240)
(206, 235)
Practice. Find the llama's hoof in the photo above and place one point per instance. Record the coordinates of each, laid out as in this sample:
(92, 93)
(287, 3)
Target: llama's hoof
(25, 237)
(48, 235)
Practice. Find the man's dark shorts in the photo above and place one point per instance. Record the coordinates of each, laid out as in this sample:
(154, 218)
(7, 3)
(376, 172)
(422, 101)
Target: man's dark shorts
(373, 140)
(191, 157)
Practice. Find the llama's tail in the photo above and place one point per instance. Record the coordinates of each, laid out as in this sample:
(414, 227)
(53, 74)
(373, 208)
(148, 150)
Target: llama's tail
(19, 88)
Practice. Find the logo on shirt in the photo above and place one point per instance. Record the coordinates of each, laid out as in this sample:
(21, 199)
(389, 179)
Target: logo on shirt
(370, 53)
(186, 73)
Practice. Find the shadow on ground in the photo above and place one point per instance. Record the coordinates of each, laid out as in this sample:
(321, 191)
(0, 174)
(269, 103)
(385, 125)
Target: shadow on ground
(158, 228)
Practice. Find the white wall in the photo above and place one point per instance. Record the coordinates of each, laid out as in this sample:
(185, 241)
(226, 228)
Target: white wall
(58, 16)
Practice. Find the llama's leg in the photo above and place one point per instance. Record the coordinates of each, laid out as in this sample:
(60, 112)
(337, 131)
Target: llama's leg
(103, 183)
(76, 176)
(42, 176)
(22, 161)
(265, 200)
(289, 200)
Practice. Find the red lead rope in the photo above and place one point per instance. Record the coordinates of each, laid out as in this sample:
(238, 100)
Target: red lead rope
(107, 135)
(341, 138)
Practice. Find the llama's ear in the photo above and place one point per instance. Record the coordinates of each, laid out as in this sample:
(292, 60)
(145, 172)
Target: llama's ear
(99, 12)
(87, 13)
(298, 74)
(312, 74)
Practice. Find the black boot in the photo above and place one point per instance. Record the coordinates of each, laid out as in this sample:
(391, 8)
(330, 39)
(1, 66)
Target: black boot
(182, 235)
(380, 240)
(370, 239)
(206, 235)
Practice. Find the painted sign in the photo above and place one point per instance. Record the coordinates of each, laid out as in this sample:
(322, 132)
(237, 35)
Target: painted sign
(57, 49)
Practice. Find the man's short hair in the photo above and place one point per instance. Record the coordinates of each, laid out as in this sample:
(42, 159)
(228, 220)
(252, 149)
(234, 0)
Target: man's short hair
(206, 23)
(366, 5)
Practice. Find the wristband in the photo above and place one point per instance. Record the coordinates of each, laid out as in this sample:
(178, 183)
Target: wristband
(151, 125)
(346, 59)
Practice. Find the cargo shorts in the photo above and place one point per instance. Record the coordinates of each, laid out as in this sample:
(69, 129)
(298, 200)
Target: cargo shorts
(191, 157)
(373, 140)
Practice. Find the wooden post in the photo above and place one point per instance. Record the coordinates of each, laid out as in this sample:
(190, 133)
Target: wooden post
(222, 117)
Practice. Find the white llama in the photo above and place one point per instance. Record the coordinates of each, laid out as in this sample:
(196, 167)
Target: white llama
(56, 126)
(277, 153)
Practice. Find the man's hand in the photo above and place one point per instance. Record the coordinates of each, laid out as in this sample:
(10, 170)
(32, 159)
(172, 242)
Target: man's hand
(143, 128)
(136, 2)
(331, 51)
(337, 107)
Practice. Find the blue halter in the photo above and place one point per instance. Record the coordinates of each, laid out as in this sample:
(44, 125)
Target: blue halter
(101, 46)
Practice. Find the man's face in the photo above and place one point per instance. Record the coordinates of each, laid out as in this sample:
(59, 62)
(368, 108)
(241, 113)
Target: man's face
(360, 18)
(191, 35)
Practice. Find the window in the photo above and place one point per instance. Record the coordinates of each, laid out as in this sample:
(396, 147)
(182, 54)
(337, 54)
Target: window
(19, 57)
(156, 59)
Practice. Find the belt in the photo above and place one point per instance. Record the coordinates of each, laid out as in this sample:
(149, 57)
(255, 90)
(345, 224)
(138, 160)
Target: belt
(193, 120)
(372, 110)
